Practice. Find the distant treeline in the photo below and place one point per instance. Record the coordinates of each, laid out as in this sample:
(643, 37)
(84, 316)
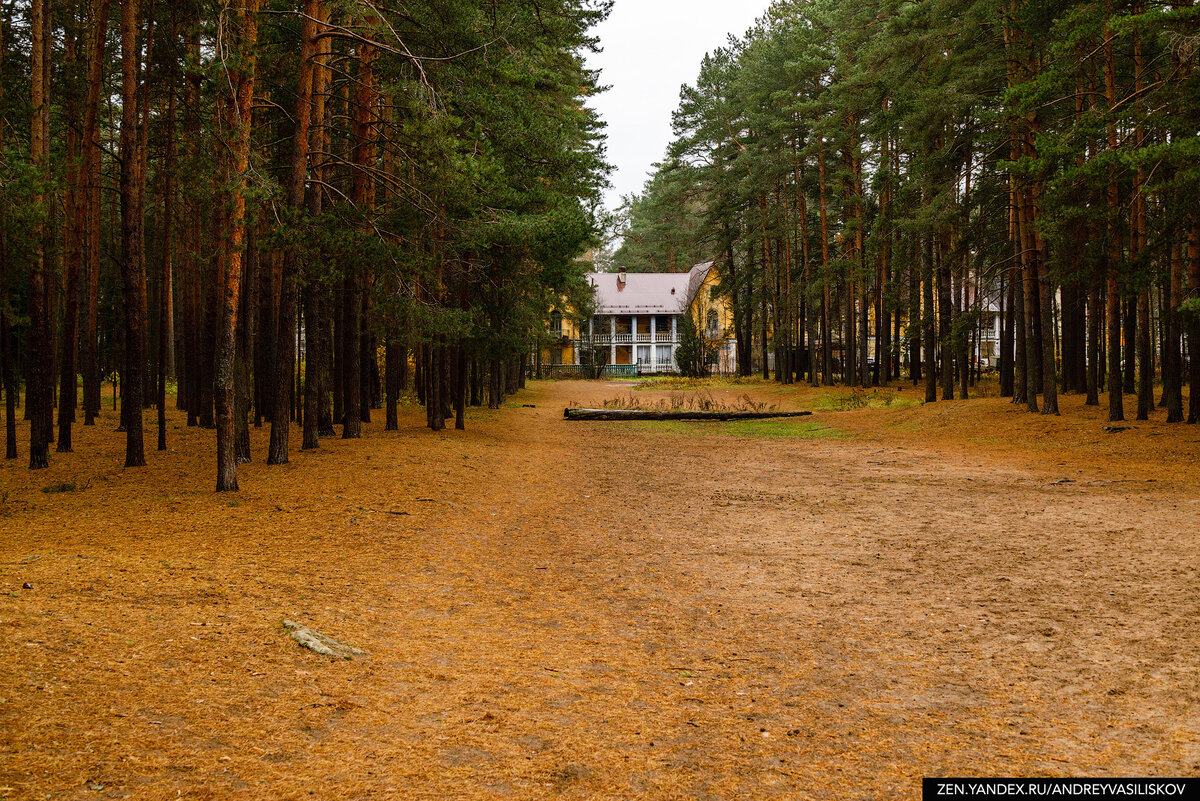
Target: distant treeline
(875, 177)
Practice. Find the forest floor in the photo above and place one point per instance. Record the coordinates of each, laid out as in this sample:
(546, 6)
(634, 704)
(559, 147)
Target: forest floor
(830, 607)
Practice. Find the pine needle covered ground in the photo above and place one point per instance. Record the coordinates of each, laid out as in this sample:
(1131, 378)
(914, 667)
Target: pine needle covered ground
(830, 609)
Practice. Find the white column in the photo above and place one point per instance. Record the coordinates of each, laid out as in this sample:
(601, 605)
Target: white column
(633, 329)
(653, 341)
(674, 337)
(612, 334)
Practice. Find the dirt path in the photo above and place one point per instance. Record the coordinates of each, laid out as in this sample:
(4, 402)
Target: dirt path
(554, 609)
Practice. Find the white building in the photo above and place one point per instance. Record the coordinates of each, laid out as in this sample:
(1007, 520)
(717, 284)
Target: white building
(636, 320)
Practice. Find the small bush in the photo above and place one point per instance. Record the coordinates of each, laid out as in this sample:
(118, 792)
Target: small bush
(696, 352)
(66, 486)
(857, 399)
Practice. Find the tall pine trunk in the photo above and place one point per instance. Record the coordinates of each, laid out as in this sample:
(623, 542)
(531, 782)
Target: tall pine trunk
(826, 296)
(239, 105)
(285, 351)
(133, 269)
(945, 320)
(38, 399)
(166, 300)
(392, 356)
(1194, 322)
(915, 321)
(1145, 355)
(1029, 301)
(1007, 320)
(315, 345)
(73, 236)
(928, 319)
(8, 380)
(1116, 400)
(1095, 351)
(362, 195)
(1045, 288)
(1172, 361)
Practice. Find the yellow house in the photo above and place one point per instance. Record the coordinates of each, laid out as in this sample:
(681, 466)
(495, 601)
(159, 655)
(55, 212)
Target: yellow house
(635, 326)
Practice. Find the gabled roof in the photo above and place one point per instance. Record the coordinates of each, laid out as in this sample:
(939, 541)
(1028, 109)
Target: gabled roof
(647, 293)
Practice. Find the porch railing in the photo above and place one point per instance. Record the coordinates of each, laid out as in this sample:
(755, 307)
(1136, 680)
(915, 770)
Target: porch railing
(608, 371)
(652, 368)
(629, 339)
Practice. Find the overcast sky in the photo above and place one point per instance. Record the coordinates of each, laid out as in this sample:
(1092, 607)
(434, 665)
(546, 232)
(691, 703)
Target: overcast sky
(651, 48)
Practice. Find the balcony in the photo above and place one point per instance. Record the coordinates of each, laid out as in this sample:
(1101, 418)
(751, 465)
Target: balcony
(606, 338)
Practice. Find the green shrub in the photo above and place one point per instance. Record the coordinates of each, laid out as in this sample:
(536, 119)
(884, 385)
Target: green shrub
(696, 353)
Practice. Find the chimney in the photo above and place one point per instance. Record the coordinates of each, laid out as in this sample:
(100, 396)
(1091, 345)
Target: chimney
(621, 278)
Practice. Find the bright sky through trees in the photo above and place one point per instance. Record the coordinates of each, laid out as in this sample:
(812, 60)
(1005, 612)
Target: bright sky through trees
(651, 47)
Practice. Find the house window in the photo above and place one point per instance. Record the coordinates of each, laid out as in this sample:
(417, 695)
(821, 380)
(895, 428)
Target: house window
(556, 324)
(711, 323)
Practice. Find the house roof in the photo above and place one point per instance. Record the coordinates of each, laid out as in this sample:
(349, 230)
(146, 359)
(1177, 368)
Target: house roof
(647, 293)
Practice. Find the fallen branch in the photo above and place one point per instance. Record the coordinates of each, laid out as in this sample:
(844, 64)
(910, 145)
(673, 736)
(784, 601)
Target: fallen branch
(318, 643)
(653, 414)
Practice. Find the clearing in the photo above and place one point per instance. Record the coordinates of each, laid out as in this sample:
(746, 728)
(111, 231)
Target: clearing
(827, 607)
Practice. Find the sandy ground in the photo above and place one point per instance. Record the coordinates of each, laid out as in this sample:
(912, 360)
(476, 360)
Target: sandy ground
(826, 608)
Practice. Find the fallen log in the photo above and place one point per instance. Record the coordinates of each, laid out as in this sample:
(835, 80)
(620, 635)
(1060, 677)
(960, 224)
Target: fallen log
(654, 414)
